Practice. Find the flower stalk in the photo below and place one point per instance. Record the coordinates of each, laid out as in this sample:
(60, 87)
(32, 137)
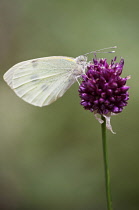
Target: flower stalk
(106, 167)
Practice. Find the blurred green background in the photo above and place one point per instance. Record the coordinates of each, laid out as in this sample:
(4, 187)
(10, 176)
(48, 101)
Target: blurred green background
(51, 157)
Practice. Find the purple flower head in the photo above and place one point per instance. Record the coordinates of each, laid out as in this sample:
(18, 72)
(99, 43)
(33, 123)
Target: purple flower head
(102, 90)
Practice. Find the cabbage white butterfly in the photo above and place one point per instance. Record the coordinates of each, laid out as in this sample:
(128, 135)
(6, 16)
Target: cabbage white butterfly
(42, 81)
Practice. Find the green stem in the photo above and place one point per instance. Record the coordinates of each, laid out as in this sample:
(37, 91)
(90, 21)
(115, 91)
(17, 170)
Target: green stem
(106, 168)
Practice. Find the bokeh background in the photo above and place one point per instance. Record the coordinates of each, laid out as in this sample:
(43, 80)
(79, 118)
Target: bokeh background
(51, 157)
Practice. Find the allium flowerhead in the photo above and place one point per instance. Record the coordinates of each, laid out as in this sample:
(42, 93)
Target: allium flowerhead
(102, 90)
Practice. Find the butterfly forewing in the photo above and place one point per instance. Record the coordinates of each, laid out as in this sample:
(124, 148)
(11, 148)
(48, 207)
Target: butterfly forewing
(42, 81)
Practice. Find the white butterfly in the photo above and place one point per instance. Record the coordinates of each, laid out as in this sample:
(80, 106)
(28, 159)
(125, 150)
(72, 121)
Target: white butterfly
(42, 81)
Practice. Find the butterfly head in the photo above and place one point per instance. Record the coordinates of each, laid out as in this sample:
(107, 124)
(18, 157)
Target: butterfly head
(82, 59)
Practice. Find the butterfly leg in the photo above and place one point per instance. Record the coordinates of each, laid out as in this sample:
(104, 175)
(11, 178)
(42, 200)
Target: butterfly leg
(79, 76)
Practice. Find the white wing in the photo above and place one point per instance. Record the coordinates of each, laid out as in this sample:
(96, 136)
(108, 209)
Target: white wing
(41, 81)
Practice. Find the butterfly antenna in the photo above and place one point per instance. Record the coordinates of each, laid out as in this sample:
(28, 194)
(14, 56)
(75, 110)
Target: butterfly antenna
(99, 51)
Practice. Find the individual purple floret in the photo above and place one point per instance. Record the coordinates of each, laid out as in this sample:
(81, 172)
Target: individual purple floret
(102, 90)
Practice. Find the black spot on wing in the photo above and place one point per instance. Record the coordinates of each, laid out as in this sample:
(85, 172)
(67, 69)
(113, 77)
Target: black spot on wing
(34, 63)
(44, 87)
(34, 77)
